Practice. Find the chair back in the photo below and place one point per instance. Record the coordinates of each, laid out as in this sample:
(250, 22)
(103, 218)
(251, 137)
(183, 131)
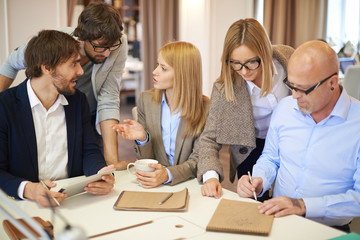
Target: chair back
(134, 113)
(351, 81)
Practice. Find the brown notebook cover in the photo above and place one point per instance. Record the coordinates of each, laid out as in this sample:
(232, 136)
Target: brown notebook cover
(149, 201)
(240, 217)
(15, 234)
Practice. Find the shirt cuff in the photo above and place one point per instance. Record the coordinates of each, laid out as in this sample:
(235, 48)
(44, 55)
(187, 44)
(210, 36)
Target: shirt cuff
(170, 177)
(314, 207)
(144, 142)
(21, 189)
(210, 174)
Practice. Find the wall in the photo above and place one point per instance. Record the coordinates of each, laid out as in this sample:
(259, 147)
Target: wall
(204, 23)
(4, 44)
(22, 19)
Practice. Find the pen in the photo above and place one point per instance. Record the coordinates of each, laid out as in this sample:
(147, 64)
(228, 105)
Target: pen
(251, 184)
(44, 185)
(166, 198)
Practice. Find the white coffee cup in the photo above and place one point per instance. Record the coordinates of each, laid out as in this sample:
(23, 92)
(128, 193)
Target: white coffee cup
(142, 164)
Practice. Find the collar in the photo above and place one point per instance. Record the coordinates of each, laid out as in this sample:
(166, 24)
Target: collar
(34, 100)
(163, 99)
(341, 108)
(252, 87)
(342, 105)
(275, 64)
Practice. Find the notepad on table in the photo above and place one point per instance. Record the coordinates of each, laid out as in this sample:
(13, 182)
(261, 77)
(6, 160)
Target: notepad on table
(149, 201)
(240, 217)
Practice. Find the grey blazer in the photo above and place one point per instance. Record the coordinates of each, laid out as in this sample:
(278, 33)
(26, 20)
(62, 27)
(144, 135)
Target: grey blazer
(231, 123)
(185, 162)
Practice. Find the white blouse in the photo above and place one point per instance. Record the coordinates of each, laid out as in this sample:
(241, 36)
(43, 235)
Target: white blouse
(264, 106)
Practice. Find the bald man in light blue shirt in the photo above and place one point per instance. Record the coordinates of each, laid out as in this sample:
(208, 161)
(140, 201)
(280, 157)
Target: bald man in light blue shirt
(312, 150)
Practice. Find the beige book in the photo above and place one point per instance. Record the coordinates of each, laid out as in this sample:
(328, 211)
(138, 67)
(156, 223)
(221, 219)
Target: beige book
(240, 217)
(152, 201)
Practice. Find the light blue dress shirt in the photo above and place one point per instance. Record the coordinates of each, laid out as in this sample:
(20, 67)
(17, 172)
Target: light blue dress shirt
(318, 162)
(169, 127)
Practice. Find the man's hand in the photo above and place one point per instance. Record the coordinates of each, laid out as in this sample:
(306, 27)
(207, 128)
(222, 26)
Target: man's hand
(246, 189)
(152, 179)
(104, 186)
(283, 206)
(121, 165)
(37, 192)
(211, 188)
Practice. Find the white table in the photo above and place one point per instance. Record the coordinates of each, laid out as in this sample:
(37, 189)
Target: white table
(95, 214)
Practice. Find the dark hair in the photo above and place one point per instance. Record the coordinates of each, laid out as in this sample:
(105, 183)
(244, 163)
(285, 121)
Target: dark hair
(99, 20)
(50, 48)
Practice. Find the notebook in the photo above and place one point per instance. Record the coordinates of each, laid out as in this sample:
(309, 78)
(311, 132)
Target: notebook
(150, 201)
(240, 217)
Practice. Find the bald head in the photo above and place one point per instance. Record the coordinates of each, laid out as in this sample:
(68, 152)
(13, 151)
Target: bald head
(313, 69)
(313, 56)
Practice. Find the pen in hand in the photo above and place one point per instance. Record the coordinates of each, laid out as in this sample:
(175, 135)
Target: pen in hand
(46, 187)
(166, 198)
(251, 184)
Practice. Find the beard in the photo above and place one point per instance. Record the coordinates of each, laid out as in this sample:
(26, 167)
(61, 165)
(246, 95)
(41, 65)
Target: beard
(305, 110)
(92, 58)
(60, 84)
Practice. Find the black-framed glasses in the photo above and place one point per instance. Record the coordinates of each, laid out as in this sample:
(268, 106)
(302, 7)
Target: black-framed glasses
(306, 92)
(101, 49)
(249, 65)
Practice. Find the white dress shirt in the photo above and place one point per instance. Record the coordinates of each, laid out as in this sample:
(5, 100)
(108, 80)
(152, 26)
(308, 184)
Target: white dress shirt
(51, 138)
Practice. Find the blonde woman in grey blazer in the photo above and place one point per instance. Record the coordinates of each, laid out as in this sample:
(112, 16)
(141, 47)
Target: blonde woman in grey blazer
(243, 97)
(170, 117)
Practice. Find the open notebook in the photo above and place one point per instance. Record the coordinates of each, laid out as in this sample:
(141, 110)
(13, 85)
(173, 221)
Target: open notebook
(149, 201)
(240, 217)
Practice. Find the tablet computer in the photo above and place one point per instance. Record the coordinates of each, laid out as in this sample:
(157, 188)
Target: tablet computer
(75, 185)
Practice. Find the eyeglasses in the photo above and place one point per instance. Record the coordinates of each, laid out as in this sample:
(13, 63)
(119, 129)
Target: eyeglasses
(306, 92)
(249, 65)
(101, 49)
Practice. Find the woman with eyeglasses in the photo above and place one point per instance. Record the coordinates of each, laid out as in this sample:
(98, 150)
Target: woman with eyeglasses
(171, 117)
(243, 98)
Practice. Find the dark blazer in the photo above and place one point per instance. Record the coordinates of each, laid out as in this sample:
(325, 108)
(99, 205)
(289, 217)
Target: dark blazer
(185, 159)
(18, 150)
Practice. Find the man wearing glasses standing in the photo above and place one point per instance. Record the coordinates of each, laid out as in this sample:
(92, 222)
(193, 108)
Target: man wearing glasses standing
(103, 54)
(312, 149)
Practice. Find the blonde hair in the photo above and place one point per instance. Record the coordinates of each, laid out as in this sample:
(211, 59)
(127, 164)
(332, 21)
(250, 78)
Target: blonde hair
(250, 33)
(185, 59)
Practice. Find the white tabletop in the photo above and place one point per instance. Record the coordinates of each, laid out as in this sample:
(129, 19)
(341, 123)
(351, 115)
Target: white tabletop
(95, 214)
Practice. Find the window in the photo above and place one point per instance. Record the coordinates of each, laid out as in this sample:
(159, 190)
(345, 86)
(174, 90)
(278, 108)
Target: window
(343, 23)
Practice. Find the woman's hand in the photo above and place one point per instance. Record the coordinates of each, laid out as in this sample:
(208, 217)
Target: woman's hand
(211, 188)
(152, 179)
(131, 130)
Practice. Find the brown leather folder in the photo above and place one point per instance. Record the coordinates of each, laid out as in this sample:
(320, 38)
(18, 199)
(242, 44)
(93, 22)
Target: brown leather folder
(240, 217)
(15, 234)
(150, 201)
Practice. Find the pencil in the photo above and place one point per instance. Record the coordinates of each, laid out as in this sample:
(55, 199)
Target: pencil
(166, 198)
(251, 184)
(42, 183)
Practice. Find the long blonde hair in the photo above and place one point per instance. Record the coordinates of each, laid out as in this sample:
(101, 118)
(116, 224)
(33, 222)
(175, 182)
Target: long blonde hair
(185, 59)
(250, 33)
